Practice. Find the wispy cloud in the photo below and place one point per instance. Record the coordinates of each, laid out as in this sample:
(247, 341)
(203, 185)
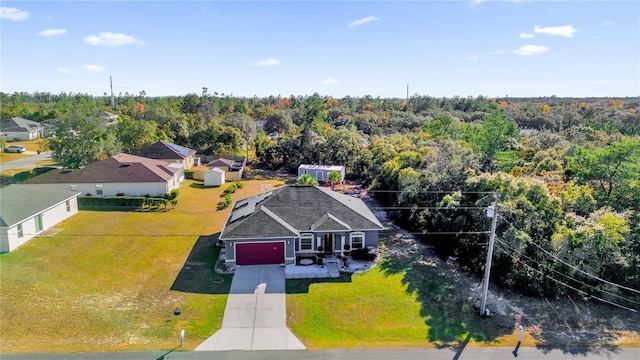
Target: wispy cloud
(497, 52)
(329, 80)
(93, 68)
(472, 58)
(267, 62)
(109, 39)
(527, 36)
(607, 23)
(64, 70)
(604, 82)
(531, 50)
(52, 32)
(363, 21)
(564, 30)
(14, 14)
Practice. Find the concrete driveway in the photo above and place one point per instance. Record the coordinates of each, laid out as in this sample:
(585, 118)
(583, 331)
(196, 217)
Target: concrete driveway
(255, 317)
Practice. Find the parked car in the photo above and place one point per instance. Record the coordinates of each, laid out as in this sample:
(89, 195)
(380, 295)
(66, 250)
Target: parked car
(15, 149)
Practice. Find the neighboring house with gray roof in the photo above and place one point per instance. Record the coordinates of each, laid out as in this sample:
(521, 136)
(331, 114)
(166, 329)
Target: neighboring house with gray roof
(20, 129)
(28, 210)
(122, 174)
(277, 226)
(168, 152)
(233, 166)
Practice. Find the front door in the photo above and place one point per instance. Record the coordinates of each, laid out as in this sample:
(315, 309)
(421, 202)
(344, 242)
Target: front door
(327, 241)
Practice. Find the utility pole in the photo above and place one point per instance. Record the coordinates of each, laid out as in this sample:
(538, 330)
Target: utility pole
(407, 107)
(492, 211)
(113, 105)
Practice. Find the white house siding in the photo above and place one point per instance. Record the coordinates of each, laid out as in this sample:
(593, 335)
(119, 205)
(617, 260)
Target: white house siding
(127, 189)
(20, 136)
(9, 239)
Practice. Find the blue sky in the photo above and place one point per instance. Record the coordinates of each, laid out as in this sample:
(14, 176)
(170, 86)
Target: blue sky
(335, 48)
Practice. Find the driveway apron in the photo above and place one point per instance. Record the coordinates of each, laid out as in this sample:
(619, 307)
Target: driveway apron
(255, 317)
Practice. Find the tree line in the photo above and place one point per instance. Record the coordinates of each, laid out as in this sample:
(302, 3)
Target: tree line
(566, 171)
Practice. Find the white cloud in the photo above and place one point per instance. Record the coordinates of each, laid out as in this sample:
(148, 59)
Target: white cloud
(472, 58)
(564, 30)
(329, 80)
(93, 68)
(13, 14)
(604, 82)
(607, 23)
(52, 32)
(527, 36)
(531, 50)
(108, 39)
(363, 21)
(64, 70)
(497, 52)
(267, 62)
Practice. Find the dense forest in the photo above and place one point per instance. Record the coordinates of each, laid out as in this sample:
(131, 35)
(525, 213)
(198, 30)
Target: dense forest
(565, 171)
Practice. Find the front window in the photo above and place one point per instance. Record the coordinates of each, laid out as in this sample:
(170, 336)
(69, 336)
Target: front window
(98, 189)
(306, 242)
(68, 206)
(357, 240)
(20, 231)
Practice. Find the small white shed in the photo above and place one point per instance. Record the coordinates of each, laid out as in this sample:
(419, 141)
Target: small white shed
(214, 177)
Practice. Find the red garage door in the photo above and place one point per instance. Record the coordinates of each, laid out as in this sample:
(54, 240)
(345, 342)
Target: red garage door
(260, 253)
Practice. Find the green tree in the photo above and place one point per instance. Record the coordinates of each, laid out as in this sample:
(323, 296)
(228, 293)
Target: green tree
(80, 141)
(496, 134)
(334, 178)
(136, 134)
(306, 179)
(613, 171)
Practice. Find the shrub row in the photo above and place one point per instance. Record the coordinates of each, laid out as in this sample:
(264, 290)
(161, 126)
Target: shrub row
(85, 202)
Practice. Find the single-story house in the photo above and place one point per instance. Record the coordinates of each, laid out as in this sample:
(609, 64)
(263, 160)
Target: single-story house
(214, 177)
(233, 166)
(28, 210)
(20, 129)
(122, 174)
(168, 152)
(109, 117)
(299, 220)
(320, 172)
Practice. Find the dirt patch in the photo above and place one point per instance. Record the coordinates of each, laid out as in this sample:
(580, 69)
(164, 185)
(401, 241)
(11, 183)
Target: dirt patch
(555, 323)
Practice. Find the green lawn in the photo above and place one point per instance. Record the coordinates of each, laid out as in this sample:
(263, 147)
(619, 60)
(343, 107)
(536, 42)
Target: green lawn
(104, 283)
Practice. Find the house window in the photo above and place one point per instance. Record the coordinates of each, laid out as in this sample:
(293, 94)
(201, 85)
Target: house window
(305, 172)
(98, 189)
(74, 187)
(68, 206)
(39, 223)
(357, 240)
(20, 231)
(306, 242)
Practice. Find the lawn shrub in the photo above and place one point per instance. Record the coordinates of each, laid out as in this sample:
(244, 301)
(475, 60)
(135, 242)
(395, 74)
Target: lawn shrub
(41, 170)
(85, 202)
(188, 174)
(227, 199)
(22, 176)
(172, 195)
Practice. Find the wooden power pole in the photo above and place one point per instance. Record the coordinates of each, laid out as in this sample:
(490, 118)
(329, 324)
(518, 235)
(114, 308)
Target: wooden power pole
(491, 212)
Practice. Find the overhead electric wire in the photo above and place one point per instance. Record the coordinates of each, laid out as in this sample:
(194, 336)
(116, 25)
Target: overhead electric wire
(565, 275)
(574, 288)
(572, 266)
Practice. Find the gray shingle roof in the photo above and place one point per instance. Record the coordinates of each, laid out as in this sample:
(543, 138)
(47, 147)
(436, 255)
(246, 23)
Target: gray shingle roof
(17, 124)
(121, 168)
(164, 150)
(20, 202)
(303, 208)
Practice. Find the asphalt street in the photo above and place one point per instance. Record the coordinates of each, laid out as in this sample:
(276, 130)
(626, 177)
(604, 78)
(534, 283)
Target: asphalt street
(28, 162)
(410, 354)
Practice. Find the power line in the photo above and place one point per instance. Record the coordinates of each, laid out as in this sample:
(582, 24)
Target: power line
(565, 275)
(574, 288)
(571, 266)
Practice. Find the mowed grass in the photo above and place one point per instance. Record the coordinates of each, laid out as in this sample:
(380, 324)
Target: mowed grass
(32, 145)
(374, 310)
(104, 282)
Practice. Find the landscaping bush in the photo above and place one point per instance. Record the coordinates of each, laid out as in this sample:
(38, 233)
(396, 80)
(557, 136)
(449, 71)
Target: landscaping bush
(238, 184)
(188, 174)
(118, 201)
(41, 170)
(22, 176)
(227, 199)
(172, 195)
(222, 205)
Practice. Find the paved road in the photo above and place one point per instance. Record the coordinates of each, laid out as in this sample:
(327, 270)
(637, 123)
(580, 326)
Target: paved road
(28, 162)
(422, 354)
